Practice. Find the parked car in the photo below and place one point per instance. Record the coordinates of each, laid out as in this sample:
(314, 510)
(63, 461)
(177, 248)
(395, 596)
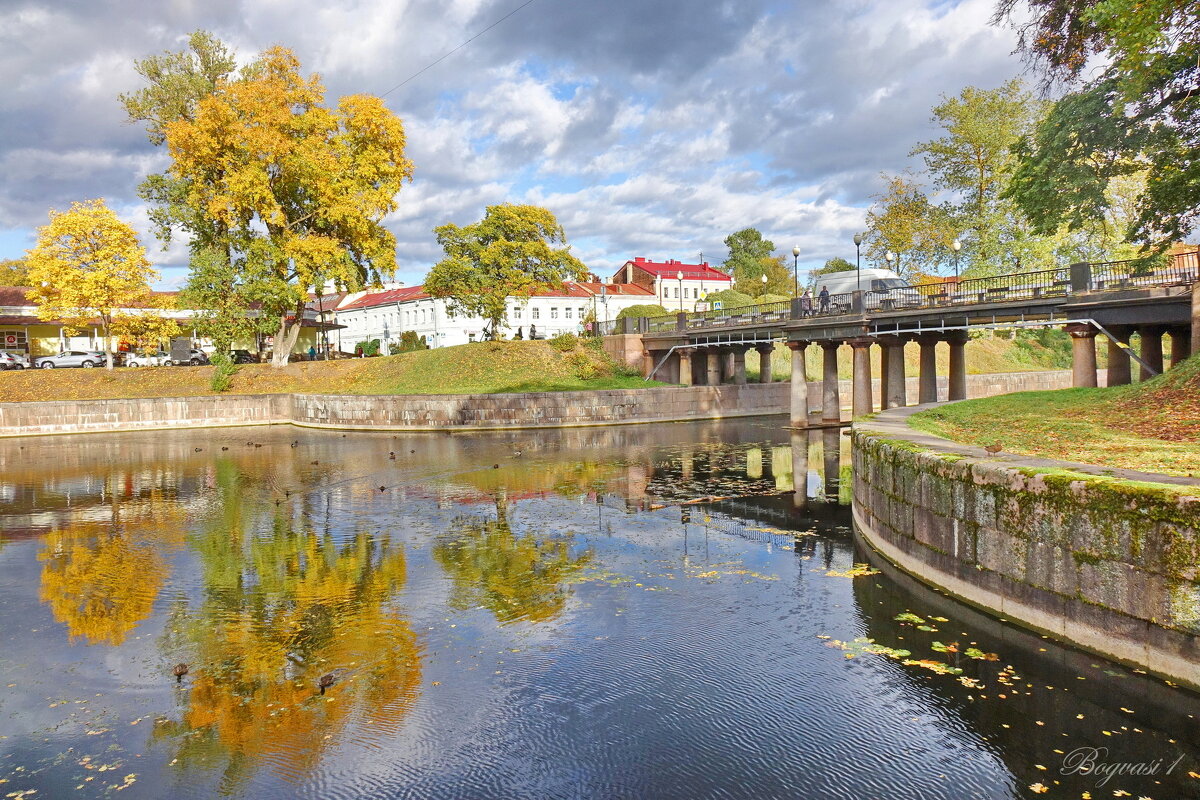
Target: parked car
(243, 357)
(147, 359)
(196, 357)
(71, 358)
(12, 360)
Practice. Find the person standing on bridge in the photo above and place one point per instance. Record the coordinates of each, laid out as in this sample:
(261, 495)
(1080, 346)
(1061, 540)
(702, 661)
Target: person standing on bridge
(806, 303)
(824, 299)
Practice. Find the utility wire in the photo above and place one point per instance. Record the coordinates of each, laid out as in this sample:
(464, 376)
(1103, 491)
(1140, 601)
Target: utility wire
(455, 50)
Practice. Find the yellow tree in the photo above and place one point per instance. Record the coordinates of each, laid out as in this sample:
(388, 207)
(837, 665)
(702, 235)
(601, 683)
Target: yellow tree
(147, 329)
(86, 265)
(300, 189)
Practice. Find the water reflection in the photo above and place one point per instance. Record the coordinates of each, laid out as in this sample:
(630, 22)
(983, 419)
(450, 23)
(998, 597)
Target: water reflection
(631, 611)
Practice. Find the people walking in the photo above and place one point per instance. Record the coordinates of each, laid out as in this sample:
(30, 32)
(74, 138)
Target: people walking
(806, 304)
(823, 297)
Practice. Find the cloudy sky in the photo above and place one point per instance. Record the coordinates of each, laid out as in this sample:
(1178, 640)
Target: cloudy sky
(649, 127)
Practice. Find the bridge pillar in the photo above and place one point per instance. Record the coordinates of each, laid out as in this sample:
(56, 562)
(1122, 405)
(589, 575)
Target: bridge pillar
(799, 404)
(861, 378)
(647, 363)
(1118, 357)
(713, 364)
(685, 365)
(1083, 355)
(927, 387)
(1152, 351)
(1181, 345)
(885, 354)
(764, 362)
(958, 366)
(897, 393)
(728, 365)
(739, 364)
(831, 402)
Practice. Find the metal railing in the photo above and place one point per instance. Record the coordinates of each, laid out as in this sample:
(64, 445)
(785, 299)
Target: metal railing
(1180, 270)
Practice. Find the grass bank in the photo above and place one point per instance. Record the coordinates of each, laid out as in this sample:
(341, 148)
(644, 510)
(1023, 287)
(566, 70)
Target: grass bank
(479, 368)
(1152, 426)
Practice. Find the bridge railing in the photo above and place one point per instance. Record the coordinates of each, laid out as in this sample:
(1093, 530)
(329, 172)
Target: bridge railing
(1178, 270)
(741, 315)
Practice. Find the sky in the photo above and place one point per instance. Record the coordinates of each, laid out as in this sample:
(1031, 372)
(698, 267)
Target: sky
(650, 128)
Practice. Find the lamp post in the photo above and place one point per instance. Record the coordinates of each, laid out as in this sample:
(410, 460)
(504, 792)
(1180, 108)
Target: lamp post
(796, 271)
(680, 277)
(858, 238)
(764, 282)
(956, 245)
(889, 257)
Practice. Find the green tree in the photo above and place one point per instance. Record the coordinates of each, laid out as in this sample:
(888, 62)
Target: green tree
(905, 223)
(1140, 111)
(13, 272)
(88, 264)
(510, 253)
(750, 257)
(837, 264)
(644, 310)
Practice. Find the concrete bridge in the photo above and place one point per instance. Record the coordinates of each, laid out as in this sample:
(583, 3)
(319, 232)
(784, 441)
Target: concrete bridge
(1113, 299)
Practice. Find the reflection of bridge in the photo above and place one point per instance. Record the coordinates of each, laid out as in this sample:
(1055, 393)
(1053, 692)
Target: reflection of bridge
(1115, 299)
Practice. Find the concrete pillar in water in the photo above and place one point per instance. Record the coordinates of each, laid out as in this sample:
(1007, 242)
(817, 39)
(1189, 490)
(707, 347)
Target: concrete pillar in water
(1152, 351)
(831, 402)
(685, 365)
(799, 469)
(764, 362)
(799, 393)
(1083, 354)
(927, 387)
(958, 366)
(861, 398)
(1181, 345)
(713, 372)
(897, 392)
(831, 442)
(739, 365)
(1118, 357)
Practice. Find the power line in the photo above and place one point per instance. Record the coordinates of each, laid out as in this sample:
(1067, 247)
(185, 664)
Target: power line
(455, 50)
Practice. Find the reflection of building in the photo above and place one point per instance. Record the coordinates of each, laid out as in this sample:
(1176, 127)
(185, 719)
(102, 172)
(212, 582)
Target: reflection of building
(388, 314)
(675, 285)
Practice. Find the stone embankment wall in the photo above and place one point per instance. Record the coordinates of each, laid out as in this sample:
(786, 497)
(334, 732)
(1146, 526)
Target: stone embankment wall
(441, 412)
(1110, 565)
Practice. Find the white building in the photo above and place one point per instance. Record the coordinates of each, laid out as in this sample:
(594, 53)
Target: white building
(386, 315)
(676, 286)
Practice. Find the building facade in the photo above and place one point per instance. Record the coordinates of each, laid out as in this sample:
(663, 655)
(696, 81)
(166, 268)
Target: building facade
(675, 286)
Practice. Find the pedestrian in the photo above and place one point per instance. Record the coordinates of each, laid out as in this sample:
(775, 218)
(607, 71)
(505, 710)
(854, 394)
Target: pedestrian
(806, 304)
(824, 299)
(533, 332)
(312, 353)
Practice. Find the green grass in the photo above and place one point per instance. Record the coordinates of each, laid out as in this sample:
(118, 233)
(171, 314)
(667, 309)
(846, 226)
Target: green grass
(1153, 427)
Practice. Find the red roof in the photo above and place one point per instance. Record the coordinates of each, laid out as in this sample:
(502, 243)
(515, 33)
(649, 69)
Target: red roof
(671, 269)
(386, 297)
(14, 295)
(614, 289)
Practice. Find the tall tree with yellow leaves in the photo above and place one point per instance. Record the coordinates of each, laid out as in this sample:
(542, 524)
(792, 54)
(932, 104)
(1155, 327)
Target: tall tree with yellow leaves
(298, 190)
(86, 266)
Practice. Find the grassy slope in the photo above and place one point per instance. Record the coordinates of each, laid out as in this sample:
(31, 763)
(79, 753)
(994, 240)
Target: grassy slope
(1153, 426)
(481, 368)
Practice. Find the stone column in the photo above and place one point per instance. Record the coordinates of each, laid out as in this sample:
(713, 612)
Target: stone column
(958, 366)
(764, 362)
(1083, 355)
(647, 363)
(831, 461)
(799, 405)
(685, 366)
(885, 354)
(713, 358)
(861, 398)
(897, 393)
(831, 402)
(739, 365)
(1118, 357)
(1152, 352)
(1181, 345)
(728, 365)
(928, 381)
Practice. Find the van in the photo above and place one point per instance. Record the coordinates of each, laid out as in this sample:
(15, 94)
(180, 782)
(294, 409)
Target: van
(882, 288)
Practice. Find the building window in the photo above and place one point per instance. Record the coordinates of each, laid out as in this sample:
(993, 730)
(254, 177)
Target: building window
(536, 313)
(553, 312)
(567, 312)
(13, 340)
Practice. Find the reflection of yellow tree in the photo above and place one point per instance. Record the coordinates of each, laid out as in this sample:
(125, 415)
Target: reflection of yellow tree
(516, 577)
(283, 608)
(101, 579)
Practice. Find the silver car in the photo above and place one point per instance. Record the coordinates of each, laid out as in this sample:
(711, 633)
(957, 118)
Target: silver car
(71, 358)
(147, 359)
(12, 360)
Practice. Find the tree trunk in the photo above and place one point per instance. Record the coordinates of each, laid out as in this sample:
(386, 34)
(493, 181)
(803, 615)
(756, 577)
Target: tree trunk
(285, 339)
(108, 354)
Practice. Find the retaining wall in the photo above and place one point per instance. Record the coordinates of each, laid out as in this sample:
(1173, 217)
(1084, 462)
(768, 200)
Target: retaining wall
(1109, 565)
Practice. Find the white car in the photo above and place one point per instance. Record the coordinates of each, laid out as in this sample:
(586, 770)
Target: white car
(12, 360)
(147, 359)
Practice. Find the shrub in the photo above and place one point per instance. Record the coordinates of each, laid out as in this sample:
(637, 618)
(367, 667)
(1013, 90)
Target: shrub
(565, 342)
(730, 298)
(583, 365)
(225, 369)
(647, 310)
(370, 348)
(409, 342)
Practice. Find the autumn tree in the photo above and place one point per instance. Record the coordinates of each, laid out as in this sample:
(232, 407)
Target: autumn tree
(836, 264)
(511, 252)
(88, 265)
(279, 193)
(750, 257)
(1137, 113)
(905, 222)
(13, 272)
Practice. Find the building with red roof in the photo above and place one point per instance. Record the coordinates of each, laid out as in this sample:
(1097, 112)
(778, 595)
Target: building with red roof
(675, 285)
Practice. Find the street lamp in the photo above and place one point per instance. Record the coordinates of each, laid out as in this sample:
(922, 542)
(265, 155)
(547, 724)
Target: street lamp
(889, 257)
(764, 281)
(680, 276)
(858, 238)
(796, 271)
(956, 245)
